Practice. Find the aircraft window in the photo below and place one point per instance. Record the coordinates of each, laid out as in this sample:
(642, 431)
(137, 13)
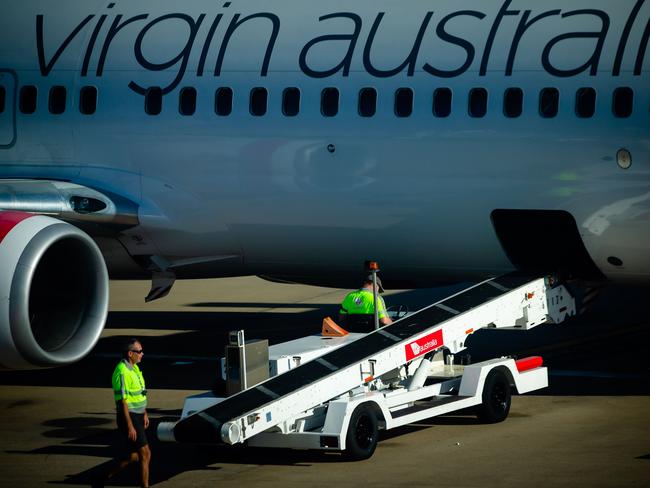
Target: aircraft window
(88, 100)
(329, 102)
(478, 102)
(291, 102)
(153, 100)
(3, 95)
(56, 103)
(513, 101)
(187, 101)
(28, 99)
(223, 101)
(403, 102)
(367, 102)
(585, 102)
(623, 102)
(549, 100)
(442, 102)
(258, 101)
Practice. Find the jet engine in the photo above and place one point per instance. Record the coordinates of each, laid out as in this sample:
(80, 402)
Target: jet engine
(53, 292)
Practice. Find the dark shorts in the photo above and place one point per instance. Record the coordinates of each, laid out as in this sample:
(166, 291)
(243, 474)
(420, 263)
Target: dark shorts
(138, 423)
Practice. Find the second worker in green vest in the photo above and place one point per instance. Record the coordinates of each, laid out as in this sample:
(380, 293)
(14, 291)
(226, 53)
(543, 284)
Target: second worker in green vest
(362, 302)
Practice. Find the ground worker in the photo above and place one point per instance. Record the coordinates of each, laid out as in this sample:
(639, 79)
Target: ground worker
(361, 303)
(131, 403)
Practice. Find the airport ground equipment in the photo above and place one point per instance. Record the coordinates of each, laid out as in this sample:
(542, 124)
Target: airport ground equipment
(399, 374)
(246, 362)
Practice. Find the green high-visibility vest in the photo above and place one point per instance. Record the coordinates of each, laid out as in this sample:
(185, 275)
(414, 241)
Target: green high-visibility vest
(362, 302)
(128, 386)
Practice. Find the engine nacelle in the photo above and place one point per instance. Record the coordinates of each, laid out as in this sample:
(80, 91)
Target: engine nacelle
(53, 292)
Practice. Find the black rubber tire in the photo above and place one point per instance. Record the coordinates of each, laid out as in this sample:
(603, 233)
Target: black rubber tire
(496, 398)
(363, 433)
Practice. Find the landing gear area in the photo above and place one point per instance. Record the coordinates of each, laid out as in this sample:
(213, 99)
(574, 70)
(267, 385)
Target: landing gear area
(335, 392)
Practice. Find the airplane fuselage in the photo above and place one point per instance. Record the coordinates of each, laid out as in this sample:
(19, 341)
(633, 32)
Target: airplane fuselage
(307, 185)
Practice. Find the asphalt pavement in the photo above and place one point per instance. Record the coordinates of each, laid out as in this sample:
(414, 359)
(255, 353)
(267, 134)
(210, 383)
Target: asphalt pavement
(589, 428)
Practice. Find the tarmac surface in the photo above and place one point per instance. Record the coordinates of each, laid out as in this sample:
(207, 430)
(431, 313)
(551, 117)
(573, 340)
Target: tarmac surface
(591, 427)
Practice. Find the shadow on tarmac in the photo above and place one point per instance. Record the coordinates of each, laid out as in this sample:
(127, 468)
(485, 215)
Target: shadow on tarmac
(186, 358)
(95, 437)
(603, 352)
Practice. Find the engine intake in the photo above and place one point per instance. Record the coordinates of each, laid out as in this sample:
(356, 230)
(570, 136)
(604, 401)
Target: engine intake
(53, 292)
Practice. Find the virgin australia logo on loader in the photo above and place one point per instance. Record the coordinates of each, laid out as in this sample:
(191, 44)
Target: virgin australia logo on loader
(423, 345)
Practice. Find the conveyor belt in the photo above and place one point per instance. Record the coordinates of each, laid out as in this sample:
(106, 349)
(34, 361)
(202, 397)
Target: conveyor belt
(205, 426)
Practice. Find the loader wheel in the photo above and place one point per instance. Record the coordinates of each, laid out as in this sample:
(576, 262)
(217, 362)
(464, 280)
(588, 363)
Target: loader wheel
(363, 432)
(496, 398)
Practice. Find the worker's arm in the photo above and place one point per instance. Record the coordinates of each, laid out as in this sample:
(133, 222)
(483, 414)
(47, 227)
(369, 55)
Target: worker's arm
(133, 435)
(384, 319)
(146, 420)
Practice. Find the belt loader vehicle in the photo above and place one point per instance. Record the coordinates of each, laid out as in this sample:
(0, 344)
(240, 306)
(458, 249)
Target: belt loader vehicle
(336, 393)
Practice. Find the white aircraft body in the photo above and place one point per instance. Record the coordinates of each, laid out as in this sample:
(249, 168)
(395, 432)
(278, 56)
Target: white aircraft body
(295, 140)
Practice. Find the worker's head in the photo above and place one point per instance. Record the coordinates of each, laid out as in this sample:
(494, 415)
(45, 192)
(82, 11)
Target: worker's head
(133, 350)
(367, 283)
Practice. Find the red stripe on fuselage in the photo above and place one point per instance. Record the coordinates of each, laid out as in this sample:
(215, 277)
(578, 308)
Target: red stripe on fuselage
(9, 220)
